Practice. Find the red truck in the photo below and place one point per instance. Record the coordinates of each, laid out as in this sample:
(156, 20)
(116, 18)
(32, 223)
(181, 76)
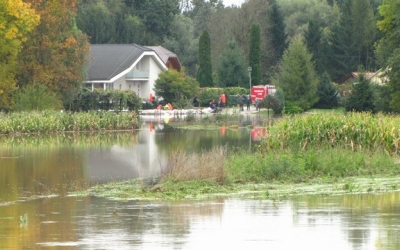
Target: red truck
(261, 91)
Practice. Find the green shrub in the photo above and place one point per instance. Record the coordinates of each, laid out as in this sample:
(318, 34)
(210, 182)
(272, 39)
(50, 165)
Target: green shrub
(208, 94)
(36, 97)
(270, 102)
(291, 108)
(98, 99)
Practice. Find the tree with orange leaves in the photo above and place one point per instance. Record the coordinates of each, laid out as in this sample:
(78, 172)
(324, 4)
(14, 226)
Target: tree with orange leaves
(55, 54)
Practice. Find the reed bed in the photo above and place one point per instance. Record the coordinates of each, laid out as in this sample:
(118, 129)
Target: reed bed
(51, 121)
(363, 131)
(207, 165)
(126, 138)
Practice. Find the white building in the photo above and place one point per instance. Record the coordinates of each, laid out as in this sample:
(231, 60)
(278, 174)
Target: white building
(128, 67)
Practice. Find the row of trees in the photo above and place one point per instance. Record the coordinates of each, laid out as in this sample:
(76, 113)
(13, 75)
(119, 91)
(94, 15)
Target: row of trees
(45, 42)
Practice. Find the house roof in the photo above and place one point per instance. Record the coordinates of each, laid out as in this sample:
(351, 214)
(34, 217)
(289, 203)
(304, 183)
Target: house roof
(166, 56)
(108, 60)
(354, 75)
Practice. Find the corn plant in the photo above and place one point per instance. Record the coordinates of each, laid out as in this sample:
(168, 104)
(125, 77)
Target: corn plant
(353, 131)
(52, 121)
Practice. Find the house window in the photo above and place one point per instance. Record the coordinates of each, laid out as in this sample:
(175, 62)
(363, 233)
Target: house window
(120, 86)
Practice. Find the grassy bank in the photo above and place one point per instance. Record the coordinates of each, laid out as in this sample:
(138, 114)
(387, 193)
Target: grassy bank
(274, 175)
(52, 122)
(320, 154)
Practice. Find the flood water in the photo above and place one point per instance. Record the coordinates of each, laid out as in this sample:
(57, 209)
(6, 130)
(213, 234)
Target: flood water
(37, 173)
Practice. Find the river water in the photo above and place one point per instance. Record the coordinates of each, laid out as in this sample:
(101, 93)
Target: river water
(38, 172)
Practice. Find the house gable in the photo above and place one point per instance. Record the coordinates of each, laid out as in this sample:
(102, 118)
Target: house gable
(124, 67)
(169, 58)
(108, 62)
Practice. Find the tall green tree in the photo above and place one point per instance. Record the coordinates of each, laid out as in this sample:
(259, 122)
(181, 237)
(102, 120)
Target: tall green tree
(361, 97)
(327, 93)
(394, 80)
(254, 54)
(157, 17)
(313, 40)
(389, 48)
(232, 68)
(97, 20)
(204, 71)
(277, 31)
(364, 31)
(343, 55)
(145, 22)
(183, 43)
(297, 77)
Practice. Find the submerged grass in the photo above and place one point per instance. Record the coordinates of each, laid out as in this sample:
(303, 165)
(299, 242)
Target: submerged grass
(272, 176)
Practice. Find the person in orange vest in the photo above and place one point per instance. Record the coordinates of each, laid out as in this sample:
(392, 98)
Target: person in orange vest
(223, 100)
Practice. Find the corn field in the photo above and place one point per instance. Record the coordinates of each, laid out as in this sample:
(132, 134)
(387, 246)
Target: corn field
(53, 122)
(355, 131)
(107, 138)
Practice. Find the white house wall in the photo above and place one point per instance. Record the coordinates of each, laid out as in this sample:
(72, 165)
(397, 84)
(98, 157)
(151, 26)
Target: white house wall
(153, 76)
(142, 87)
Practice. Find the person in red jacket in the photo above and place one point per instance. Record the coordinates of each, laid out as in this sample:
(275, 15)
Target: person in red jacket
(223, 100)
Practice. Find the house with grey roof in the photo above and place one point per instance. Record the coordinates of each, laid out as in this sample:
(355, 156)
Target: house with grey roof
(127, 67)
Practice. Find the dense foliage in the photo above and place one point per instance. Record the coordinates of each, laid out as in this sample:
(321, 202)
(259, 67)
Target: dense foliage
(173, 86)
(277, 30)
(115, 100)
(136, 21)
(46, 42)
(232, 68)
(36, 98)
(255, 54)
(271, 102)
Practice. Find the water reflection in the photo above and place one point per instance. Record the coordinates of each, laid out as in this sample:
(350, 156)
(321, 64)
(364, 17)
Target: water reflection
(57, 164)
(310, 222)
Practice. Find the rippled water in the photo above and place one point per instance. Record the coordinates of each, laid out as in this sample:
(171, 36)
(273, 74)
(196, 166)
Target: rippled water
(310, 222)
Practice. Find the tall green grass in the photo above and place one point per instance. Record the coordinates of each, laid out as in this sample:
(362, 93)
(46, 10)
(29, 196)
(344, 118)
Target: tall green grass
(53, 121)
(353, 131)
(108, 138)
(301, 166)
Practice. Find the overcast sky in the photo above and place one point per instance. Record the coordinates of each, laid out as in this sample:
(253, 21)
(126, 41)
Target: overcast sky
(234, 2)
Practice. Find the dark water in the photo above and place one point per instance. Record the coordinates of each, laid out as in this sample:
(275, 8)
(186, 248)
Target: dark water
(38, 172)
